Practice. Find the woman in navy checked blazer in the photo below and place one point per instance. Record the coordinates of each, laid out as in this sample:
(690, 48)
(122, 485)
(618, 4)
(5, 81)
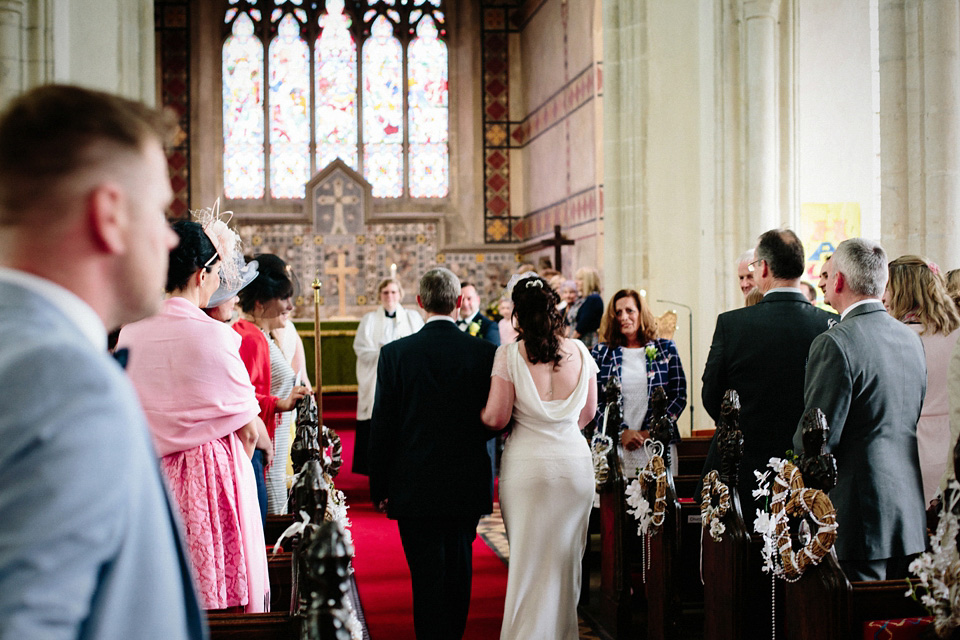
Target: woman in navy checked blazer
(642, 361)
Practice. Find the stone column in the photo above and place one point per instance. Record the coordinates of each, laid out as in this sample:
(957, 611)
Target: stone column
(941, 167)
(624, 144)
(920, 129)
(11, 45)
(761, 114)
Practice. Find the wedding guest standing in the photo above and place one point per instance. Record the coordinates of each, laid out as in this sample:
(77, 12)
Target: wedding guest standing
(508, 333)
(916, 296)
(89, 545)
(389, 322)
(202, 413)
(590, 313)
(547, 384)
(266, 303)
(568, 291)
(632, 351)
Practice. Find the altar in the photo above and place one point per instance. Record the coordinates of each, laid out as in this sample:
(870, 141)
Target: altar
(339, 360)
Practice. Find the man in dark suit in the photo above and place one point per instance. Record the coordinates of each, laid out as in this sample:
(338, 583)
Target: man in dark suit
(868, 375)
(761, 352)
(429, 466)
(470, 314)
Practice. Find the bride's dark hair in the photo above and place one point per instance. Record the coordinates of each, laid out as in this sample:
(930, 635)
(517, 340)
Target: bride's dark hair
(539, 322)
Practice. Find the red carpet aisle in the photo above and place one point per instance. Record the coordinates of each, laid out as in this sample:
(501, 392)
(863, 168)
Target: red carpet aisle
(382, 575)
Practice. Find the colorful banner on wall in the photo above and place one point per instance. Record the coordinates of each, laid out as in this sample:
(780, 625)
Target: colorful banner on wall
(822, 227)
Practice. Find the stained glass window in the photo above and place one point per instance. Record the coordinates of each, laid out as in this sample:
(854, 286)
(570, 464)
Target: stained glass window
(335, 71)
(336, 88)
(243, 157)
(427, 111)
(383, 110)
(289, 111)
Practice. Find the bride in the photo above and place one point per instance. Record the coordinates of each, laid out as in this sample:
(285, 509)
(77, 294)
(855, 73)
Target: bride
(548, 385)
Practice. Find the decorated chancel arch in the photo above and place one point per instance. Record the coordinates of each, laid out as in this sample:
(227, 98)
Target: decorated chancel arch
(305, 83)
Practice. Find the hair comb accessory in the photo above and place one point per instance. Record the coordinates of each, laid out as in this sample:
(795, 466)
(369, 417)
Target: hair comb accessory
(534, 283)
(516, 278)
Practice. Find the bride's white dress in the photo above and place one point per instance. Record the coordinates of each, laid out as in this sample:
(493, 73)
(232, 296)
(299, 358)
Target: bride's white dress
(546, 493)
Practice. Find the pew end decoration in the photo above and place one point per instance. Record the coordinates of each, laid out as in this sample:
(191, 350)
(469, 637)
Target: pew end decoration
(787, 495)
(717, 485)
(321, 540)
(603, 449)
(937, 586)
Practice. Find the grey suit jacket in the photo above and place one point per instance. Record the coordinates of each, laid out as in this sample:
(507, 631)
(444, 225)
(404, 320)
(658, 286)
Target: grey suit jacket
(868, 375)
(89, 547)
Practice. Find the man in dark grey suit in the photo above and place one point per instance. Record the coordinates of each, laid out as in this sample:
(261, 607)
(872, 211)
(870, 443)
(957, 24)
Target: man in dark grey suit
(868, 375)
(89, 546)
(429, 466)
(761, 352)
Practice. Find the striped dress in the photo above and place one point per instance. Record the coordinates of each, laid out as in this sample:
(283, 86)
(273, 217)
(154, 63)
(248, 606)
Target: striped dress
(281, 383)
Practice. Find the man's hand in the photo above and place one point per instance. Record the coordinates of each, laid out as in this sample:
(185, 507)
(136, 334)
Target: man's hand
(632, 439)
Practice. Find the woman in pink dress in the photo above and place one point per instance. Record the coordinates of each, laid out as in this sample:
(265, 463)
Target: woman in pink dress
(917, 296)
(202, 412)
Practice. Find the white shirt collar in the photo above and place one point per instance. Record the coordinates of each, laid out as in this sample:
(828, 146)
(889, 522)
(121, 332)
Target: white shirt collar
(69, 304)
(472, 317)
(783, 290)
(435, 318)
(859, 303)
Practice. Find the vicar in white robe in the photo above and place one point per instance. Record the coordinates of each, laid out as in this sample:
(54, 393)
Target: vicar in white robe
(387, 323)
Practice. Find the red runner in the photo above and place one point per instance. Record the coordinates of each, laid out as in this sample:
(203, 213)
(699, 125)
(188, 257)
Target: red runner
(383, 579)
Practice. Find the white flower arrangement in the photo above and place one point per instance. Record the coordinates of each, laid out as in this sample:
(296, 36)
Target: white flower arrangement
(640, 507)
(717, 529)
(938, 570)
(764, 524)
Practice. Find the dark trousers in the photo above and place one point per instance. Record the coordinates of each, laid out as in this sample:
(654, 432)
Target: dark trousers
(361, 448)
(883, 569)
(440, 556)
(261, 486)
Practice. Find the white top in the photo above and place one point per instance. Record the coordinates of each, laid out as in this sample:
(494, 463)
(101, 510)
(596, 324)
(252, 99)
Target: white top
(374, 331)
(77, 311)
(633, 381)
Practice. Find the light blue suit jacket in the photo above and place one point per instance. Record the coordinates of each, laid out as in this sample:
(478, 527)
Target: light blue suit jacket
(89, 546)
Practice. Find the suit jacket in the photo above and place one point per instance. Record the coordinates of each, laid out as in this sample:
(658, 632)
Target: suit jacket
(761, 352)
(428, 447)
(489, 330)
(663, 371)
(868, 375)
(89, 547)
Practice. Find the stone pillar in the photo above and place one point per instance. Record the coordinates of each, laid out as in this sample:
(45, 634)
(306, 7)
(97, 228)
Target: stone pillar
(920, 129)
(762, 161)
(624, 143)
(11, 46)
(941, 82)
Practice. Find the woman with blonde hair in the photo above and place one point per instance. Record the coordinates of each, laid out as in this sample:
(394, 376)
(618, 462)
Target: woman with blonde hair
(916, 295)
(591, 310)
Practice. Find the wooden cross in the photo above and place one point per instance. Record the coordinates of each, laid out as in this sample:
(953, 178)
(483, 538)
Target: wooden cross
(341, 271)
(338, 199)
(557, 242)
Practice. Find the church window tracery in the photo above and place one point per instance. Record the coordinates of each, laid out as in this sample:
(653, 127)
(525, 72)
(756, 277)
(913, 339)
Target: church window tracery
(362, 80)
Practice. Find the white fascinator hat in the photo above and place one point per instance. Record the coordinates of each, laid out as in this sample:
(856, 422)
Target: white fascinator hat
(235, 272)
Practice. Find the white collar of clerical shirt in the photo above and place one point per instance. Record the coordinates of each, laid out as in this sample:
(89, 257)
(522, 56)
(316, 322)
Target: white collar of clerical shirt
(69, 304)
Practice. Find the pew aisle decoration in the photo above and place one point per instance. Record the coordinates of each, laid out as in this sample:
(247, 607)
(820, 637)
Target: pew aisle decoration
(651, 482)
(938, 570)
(787, 496)
(711, 515)
(322, 542)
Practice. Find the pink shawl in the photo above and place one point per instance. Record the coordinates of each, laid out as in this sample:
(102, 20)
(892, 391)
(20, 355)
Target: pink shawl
(194, 389)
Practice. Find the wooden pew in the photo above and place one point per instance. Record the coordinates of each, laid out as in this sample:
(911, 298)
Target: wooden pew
(736, 591)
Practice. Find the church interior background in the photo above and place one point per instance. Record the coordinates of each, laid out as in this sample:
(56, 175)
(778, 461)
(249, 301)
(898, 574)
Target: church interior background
(662, 136)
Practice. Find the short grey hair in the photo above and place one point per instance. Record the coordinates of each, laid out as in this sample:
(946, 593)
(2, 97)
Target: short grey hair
(439, 290)
(747, 256)
(863, 264)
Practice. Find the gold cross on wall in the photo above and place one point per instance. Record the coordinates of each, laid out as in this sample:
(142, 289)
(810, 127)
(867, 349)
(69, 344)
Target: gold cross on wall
(341, 271)
(338, 200)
